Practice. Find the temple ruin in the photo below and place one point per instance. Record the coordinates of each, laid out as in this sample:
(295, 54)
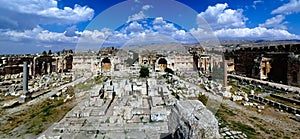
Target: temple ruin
(280, 64)
(38, 64)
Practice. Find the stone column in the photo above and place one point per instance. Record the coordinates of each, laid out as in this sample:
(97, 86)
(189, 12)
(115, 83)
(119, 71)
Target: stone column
(56, 69)
(25, 94)
(34, 66)
(225, 71)
(205, 65)
(25, 77)
(49, 68)
(211, 64)
(30, 69)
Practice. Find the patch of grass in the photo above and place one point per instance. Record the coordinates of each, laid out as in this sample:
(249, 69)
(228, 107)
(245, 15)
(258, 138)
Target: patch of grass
(81, 87)
(262, 128)
(254, 118)
(224, 112)
(225, 116)
(87, 85)
(203, 98)
(234, 87)
(202, 86)
(36, 118)
(248, 130)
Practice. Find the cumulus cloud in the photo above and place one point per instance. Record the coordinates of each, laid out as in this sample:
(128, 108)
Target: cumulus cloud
(275, 22)
(94, 35)
(34, 40)
(37, 34)
(140, 15)
(255, 33)
(159, 21)
(27, 14)
(226, 23)
(161, 26)
(219, 16)
(134, 27)
(137, 16)
(149, 31)
(292, 7)
(38, 39)
(167, 28)
(230, 24)
(71, 31)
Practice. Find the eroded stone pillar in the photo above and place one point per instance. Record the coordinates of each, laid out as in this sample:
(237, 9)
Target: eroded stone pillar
(25, 77)
(225, 71)
(25, 94)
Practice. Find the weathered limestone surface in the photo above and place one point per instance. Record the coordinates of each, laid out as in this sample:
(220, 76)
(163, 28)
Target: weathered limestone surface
(193, 120)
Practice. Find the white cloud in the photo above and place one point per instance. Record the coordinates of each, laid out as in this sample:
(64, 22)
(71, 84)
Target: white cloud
(292, 7)
(147, 7)
(34, 40)
(71, 31)
(219, 16)
(27, 14)
(275, 22)
(203, 34)
(256, 2)
(37, 34)
(94, 35)
(257, 33)
(159, 21)
(140, 15)
(230, 24)
(137, 16)
(167, 28)
(39, 39)
(134, 27)
(143, 33)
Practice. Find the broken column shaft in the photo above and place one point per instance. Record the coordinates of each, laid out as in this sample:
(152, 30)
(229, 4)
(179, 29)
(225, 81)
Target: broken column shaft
(225, 71)
(25, 77)
(26, 94)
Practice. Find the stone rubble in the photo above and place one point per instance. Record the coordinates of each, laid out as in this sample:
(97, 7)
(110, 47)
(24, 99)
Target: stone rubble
(153, 114)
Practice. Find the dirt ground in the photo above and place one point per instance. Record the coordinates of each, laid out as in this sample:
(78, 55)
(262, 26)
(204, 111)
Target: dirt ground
(270, 123)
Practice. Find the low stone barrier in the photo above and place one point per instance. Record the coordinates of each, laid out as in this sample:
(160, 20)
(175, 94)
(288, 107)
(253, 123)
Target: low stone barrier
(267, 85)
(278, 105)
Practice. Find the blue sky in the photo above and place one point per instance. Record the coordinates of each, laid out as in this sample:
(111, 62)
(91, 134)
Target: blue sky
(31, 26)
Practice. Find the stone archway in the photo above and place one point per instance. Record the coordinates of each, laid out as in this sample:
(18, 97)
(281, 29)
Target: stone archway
(106, 64)
(162, 64)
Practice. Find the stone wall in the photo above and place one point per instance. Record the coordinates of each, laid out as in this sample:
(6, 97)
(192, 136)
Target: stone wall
(293, 73)
(272, 63)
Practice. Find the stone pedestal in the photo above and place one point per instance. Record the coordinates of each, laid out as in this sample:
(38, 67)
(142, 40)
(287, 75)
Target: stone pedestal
(25, 97)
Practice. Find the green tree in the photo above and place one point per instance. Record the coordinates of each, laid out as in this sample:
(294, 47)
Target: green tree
(144, 72)
(44, 53)
(49, 52)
